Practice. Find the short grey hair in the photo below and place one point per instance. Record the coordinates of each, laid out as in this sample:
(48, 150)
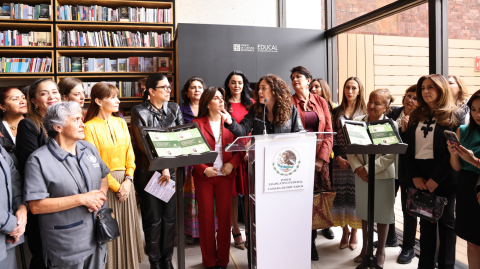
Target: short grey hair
(57, 114)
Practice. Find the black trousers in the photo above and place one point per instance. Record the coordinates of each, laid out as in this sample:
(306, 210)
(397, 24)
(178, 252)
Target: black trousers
(444, 227)
(409, 221)
(158, 219)
(34, 242)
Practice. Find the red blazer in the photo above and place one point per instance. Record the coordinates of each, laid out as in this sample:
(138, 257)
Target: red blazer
(235, 158)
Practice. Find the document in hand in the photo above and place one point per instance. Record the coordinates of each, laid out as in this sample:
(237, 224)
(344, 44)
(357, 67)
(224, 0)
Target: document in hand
(163, 192)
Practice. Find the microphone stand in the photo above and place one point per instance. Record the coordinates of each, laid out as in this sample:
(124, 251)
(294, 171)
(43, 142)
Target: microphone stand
(264, 123)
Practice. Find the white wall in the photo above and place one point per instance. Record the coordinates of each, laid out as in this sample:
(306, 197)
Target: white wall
(229, 12)
(306, 14)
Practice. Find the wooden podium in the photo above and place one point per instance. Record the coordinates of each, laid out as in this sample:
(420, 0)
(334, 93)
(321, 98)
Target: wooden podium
(281, 173)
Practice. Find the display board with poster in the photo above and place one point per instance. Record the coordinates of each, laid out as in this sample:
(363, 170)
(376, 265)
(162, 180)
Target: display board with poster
(177, 146)
(373, 132)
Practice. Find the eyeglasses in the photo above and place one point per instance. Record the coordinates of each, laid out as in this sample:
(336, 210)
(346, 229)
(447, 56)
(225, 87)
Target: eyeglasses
(165, 88)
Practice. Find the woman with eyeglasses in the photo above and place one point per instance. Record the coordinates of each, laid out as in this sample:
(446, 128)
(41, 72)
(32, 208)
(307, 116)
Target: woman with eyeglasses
(158, 217)
(31, 135)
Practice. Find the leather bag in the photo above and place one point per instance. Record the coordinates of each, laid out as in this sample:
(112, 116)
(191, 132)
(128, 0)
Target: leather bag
(106, 226)
(322, 210)
(425, 205)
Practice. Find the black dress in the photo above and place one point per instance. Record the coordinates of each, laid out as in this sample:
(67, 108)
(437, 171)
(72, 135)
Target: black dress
(468, 210)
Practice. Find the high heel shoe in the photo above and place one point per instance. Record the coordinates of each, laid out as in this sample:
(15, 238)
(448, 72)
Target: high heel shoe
(358, 259)
(239, 245)
(384, 258)
(351, 245)
(345, 245)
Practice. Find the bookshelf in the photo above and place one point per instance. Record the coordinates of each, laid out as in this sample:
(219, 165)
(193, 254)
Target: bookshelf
(55, 52)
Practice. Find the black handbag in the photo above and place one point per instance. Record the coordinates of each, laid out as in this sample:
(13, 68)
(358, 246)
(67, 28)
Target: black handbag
(106, 226)
(425, 205)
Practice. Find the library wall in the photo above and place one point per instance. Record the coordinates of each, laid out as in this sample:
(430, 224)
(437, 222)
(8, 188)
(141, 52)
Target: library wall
(228, 12)
(397, 62)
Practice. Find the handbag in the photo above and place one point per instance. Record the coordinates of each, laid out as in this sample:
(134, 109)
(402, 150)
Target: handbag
(322, 210)
(425, 205)
(106, 226)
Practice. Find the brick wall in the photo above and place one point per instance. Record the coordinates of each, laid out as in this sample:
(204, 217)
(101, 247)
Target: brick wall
(464, 19)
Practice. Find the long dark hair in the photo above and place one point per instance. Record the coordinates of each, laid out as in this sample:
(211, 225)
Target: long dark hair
(445, 112)
(151, 83)
(207, 96)
(472, 125)
(184, 91)
(33, 114)
(246, 96)
(100, 91)
(360, 106)
(325, 91)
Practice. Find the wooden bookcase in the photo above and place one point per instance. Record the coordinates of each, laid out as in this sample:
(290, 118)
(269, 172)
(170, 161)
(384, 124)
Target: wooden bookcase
(54, 51)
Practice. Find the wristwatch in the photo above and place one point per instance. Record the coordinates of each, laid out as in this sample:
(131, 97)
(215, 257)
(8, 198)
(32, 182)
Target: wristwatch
(129, 177)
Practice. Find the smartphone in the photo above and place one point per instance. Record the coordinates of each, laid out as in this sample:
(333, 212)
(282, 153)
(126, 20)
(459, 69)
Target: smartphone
(452, 137)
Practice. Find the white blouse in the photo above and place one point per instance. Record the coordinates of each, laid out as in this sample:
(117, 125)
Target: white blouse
(216, 125)
(424, 139)
(10, 132)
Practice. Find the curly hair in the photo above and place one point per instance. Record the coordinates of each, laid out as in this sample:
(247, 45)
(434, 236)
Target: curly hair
(445, 110)
(282, 109)
(184, 90)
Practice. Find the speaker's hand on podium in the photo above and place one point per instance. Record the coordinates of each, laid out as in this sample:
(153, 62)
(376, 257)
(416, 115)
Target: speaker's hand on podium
(211, 172)
(225, 115)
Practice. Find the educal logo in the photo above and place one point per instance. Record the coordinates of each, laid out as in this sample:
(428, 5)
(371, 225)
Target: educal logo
(286, 161)
(267, 48)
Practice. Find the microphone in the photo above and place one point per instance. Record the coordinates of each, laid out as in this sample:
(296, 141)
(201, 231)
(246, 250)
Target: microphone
(264, 124)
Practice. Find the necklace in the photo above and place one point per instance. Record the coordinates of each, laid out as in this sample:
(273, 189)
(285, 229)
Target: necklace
(220, 132)
(13, 128)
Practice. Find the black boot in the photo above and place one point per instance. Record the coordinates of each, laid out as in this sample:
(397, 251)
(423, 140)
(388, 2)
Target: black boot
(314, 251)
(167, 264)
(155, 264)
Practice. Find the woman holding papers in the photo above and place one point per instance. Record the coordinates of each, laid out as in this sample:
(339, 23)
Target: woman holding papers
(109, 134)
(315, 117)
(428, 162)
(158, 217)
(343, 180)
(377, 106)
(215, 180)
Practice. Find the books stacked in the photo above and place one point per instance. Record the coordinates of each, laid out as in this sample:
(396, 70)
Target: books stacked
(25, 65)
(26, 12)
(121, 14)
(126, 88)
(100, 65)
(14, 38)
(113, 39)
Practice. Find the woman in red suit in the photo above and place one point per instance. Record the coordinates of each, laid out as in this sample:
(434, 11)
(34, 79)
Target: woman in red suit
(215, 180)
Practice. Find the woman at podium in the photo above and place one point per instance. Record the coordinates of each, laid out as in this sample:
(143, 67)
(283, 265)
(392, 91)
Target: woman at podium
(158, 217)
(215, 180)
(273, 111)
(377, 106)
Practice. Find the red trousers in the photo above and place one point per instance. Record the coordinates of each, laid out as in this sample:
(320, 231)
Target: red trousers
(206, 188)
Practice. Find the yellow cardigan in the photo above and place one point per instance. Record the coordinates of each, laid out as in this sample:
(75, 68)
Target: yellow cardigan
(113, 142)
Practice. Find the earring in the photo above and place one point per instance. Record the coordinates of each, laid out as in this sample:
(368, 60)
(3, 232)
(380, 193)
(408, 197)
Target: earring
(153, 94)
(36, 107)
(4, 111)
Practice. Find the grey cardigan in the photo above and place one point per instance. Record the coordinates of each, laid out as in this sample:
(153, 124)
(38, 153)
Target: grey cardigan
(11, 196)
(384, 163)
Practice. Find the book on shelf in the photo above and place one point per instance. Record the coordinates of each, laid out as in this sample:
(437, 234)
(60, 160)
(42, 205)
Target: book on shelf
(101, 65)
(367, 133)
(124, 39)
(120, 14)
(125, 88)
(25, 65)
(25, 12)
(15, 38)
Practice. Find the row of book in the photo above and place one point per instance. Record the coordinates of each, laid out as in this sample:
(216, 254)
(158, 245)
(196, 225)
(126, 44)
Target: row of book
(117, 39)
(121, 14)
(100, 65)
(26, 65)
(125, 88)
(15, 38)
(25, 12)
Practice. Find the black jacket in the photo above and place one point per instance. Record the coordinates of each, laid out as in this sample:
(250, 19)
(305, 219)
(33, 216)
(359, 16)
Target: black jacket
(145, 115)
(442, 173)
(7, 142)
(255, 125)
(29, 139)
(395, 113)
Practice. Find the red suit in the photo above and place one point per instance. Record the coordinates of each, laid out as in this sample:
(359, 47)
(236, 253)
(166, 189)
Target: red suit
(220, 187)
